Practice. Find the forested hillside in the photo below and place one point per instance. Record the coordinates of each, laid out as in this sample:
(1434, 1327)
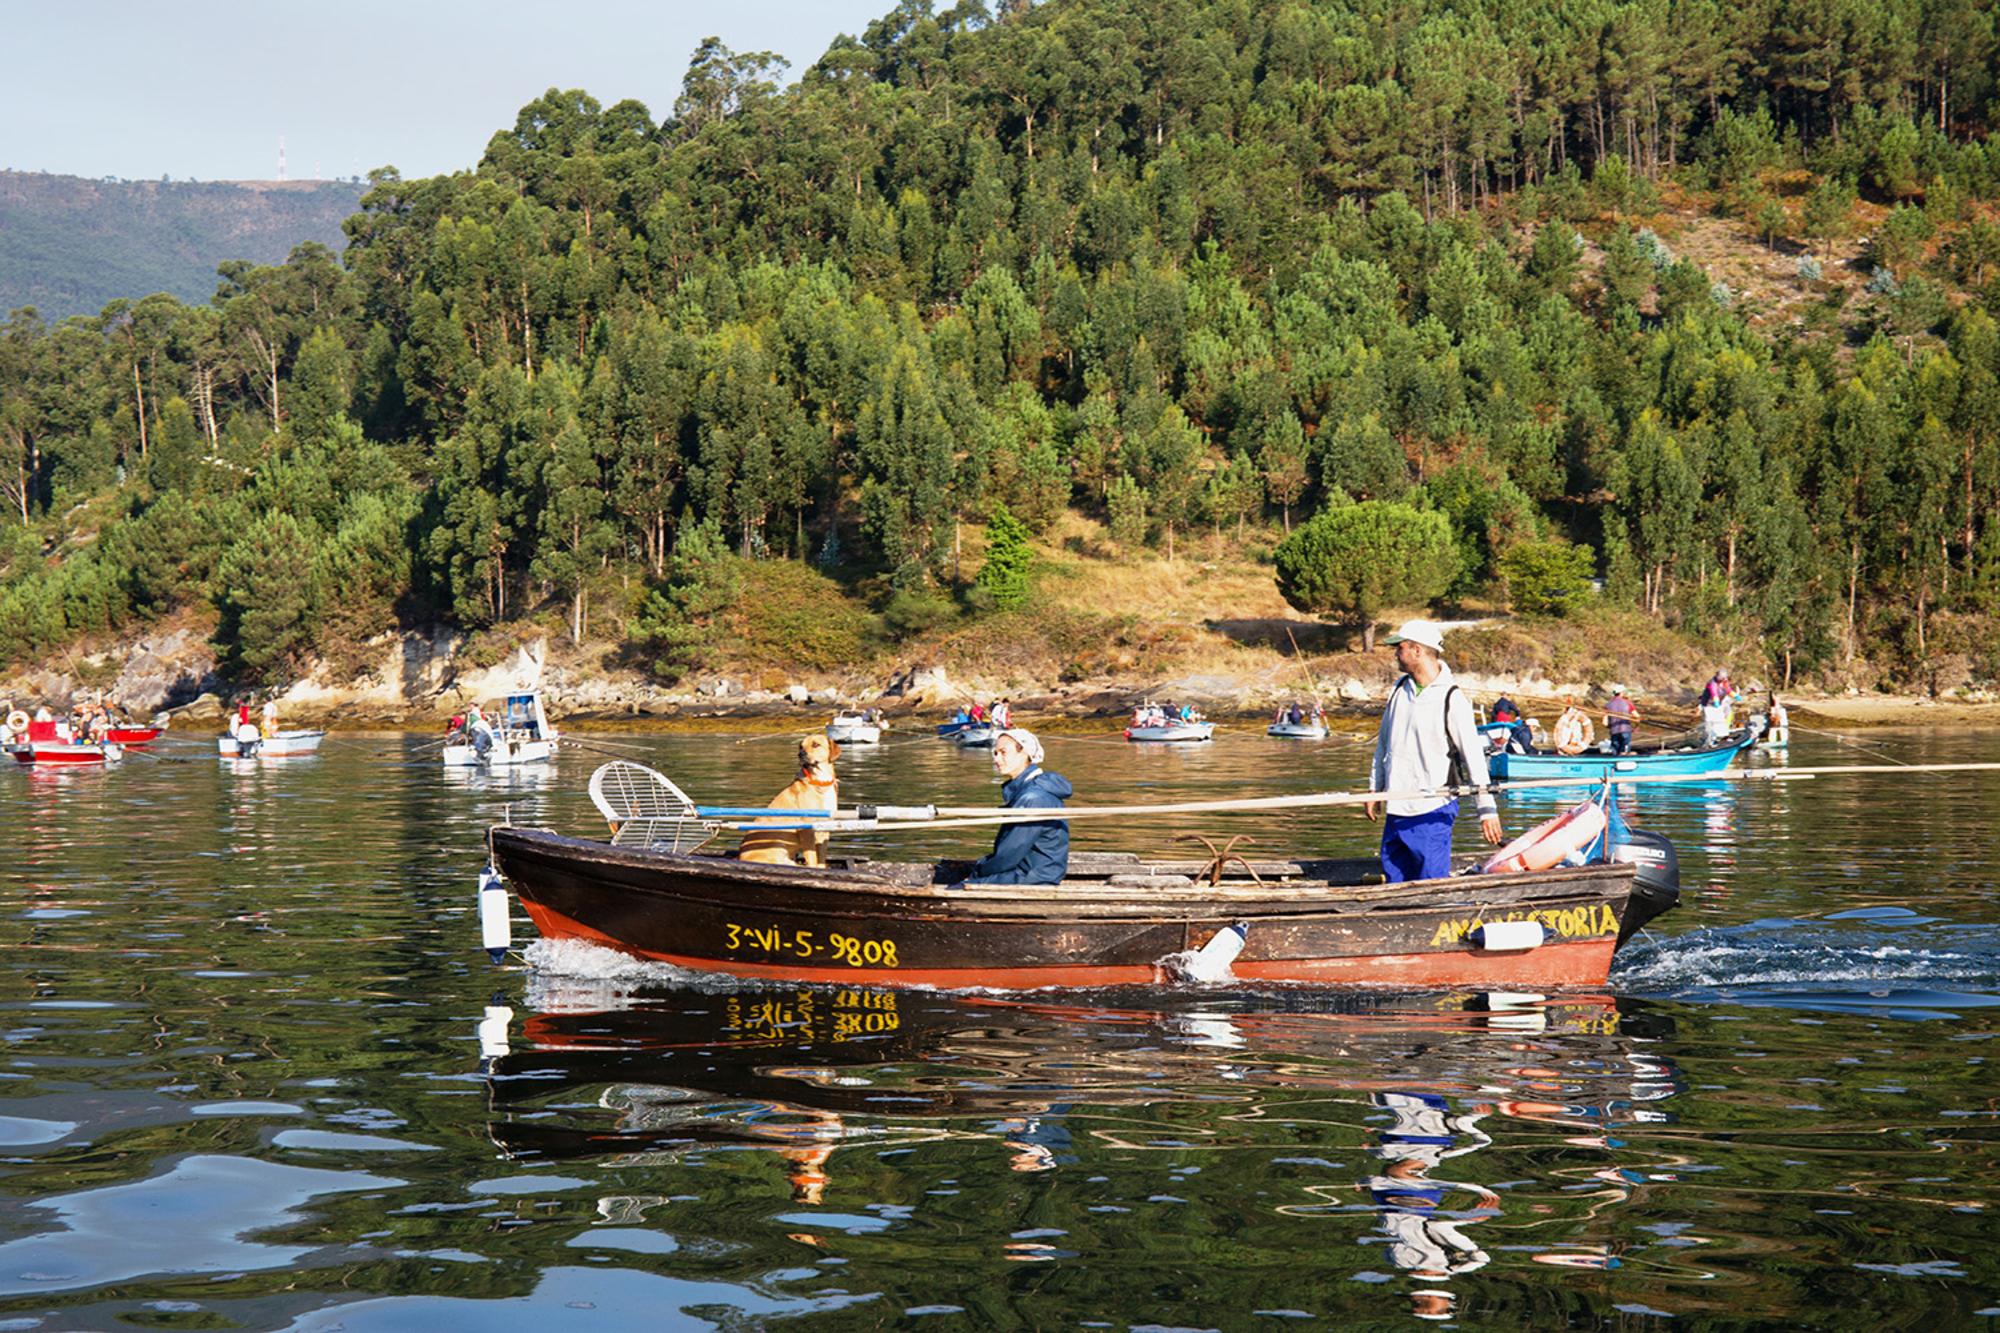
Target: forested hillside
(1207, 265)
(69, 246)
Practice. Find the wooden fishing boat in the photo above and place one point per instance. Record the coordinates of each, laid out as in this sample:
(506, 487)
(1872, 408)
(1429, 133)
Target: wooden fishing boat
(1172, 730)
(1117, 918)
(853, 729)
(278, 745)
(1677, 757)
(50, 743)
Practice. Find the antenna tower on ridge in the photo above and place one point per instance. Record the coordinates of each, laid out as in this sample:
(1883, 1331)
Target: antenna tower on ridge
(281, 157)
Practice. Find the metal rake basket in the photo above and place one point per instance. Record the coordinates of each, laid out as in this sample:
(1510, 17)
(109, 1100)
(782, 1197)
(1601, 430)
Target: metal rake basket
(645, 809)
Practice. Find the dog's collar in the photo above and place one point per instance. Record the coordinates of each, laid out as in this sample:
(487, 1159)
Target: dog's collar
(805, 775)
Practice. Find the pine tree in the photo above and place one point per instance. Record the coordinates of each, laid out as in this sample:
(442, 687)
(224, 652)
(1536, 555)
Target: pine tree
(1004, 578)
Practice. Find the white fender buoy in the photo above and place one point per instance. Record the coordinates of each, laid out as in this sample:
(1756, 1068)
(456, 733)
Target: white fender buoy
(496, 922)
(1507, 936)
(1211, 961)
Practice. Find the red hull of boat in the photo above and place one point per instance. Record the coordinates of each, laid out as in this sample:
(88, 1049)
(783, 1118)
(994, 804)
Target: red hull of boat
(133, 735)
(57, 754)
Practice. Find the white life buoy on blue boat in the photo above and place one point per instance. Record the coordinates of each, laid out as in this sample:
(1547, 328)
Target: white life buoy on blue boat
(496, 922)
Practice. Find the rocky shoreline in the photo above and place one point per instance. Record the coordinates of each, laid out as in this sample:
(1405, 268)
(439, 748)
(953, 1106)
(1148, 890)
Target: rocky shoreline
(419, 679)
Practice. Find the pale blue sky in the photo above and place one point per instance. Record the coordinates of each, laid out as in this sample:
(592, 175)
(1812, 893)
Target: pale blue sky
(204, 88)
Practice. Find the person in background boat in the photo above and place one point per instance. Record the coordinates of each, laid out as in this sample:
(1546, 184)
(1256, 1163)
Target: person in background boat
(481, 729)
(1779, 728)
(1298, 715)
(1718, 705)
(1003, 714)
(268, 725)
(244, 729)
(978, 714)
(1026, 853)
(1574, 732)
(1428, 737)
(1520, 736)
(1619, 715)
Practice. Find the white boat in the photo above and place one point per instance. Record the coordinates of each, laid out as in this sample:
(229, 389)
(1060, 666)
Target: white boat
(853, 729)
(1172, 731)
(520, 733)
(979, 733)
(1298, 731)
(278, 745)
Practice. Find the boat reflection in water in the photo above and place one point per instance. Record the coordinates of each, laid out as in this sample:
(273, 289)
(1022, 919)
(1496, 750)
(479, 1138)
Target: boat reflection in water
(1290, 1087)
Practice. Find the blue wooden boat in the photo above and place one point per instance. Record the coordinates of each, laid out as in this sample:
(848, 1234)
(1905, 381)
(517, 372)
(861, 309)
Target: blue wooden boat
(1595, 765)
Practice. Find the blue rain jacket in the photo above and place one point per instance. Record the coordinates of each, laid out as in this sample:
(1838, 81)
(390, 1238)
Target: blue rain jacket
(1036, 853)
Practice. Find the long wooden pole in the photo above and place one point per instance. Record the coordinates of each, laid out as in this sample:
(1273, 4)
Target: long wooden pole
(971, 816)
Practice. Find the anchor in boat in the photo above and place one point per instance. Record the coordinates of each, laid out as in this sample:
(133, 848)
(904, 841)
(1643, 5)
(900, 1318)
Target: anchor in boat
(1219, 859)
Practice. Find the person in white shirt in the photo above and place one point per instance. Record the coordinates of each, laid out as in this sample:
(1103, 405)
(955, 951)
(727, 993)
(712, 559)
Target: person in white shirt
(1428, 730)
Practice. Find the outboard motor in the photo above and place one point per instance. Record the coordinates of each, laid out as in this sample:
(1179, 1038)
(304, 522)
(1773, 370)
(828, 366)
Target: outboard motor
(1656, 878)
(1656, 866)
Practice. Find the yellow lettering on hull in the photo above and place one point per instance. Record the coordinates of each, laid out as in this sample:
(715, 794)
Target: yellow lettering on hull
(807, 945)
(1569, 923)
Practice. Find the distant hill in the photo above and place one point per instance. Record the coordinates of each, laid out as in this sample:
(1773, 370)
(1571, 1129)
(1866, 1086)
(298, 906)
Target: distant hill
(68, 245)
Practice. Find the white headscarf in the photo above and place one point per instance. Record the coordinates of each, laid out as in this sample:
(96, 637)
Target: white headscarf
(1024, 738)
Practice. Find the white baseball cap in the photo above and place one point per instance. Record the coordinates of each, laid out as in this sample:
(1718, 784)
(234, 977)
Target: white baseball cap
(1024, 738)
(1427, 632)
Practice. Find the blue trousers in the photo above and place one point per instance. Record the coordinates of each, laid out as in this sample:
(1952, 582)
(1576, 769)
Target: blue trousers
(1418, 846)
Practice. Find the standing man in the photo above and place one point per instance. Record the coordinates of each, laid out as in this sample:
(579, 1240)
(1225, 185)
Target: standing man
(1619, 715)
(1427, 731)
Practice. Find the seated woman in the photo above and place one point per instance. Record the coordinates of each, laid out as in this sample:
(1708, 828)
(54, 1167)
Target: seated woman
(1026, 853)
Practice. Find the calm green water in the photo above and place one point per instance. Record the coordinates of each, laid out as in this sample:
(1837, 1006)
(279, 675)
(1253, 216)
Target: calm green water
(242, 1083)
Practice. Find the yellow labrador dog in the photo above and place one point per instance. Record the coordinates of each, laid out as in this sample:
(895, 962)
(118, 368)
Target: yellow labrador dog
(813, 789)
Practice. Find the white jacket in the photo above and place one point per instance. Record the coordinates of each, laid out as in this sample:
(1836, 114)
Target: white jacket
(1410, 749)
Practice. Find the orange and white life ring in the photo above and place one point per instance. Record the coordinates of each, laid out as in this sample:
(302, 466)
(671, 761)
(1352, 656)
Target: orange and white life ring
(17, 722)
(1547, 843)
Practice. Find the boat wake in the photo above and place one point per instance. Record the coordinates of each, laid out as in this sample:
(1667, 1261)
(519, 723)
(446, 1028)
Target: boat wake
(1886, 961)
(575, 976)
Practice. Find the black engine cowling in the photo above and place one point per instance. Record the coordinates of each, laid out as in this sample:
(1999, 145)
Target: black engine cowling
(1656, 880)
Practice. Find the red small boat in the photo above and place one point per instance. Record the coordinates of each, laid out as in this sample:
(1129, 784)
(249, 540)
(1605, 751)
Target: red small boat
(133, 735)
(46, 744)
